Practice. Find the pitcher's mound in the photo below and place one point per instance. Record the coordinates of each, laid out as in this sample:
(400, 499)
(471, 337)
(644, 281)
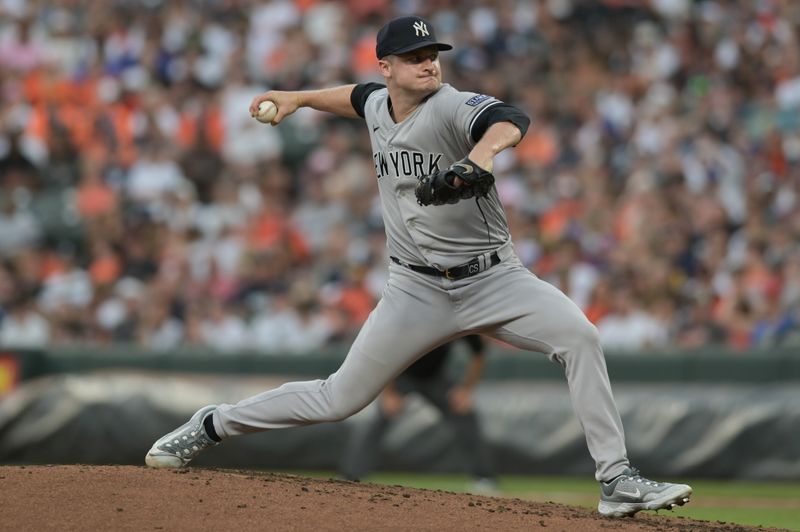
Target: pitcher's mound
(84, 497)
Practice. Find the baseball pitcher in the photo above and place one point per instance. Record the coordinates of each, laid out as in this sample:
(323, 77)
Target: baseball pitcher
(453, 268)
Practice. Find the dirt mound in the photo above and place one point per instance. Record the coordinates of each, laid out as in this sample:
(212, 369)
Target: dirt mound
(83, 497)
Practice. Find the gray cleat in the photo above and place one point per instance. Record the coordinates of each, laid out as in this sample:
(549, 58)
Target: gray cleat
(630, 493)
(177, 448)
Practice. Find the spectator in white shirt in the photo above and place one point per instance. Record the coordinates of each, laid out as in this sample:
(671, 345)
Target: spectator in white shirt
(18, 228)
(629, 327)
(294, 324)
(23, 326)
(223, 330)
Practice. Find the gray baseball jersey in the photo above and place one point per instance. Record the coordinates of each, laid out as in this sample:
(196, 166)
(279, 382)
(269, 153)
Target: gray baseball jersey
(433, 137)
(421, 309)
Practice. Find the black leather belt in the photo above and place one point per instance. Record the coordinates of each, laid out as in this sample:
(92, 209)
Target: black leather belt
(475, 266)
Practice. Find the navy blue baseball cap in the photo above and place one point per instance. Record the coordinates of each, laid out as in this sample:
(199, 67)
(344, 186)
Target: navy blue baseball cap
(405, 34)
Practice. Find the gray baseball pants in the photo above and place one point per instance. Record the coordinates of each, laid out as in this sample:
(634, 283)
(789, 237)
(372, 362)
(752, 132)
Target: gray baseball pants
(418, 312)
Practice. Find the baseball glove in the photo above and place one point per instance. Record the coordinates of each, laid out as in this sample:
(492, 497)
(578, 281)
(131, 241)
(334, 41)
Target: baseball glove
(440, 189)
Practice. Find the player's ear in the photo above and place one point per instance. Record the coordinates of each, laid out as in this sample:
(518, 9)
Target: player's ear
(385, 66)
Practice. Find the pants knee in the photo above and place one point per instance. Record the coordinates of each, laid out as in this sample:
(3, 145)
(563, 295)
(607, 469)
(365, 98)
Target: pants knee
(342, 405)
(589, 336)
(340, 411)
(583, 339)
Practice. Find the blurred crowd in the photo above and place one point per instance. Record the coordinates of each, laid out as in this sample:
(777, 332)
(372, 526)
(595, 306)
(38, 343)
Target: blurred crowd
(139, 202)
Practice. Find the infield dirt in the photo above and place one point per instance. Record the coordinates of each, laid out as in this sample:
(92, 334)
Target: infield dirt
(121, 498)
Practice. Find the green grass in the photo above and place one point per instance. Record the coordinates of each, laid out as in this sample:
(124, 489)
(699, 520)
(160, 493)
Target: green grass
(769, 504)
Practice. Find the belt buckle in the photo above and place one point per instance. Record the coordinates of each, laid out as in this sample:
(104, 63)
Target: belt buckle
(449, 275)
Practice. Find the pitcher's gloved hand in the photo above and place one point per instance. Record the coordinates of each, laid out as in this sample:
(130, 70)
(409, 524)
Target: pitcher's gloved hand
(440, 188)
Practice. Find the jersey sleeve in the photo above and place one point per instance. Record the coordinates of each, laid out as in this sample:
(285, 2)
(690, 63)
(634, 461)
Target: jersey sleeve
(461, 110)
(498, 113)
(360, 94)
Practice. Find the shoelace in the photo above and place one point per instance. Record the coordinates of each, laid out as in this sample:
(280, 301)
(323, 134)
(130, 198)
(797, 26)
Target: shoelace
(635, 476)
(184, 446)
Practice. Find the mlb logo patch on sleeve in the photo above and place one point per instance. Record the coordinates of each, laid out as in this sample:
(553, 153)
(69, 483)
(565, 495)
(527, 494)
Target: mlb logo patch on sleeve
(478, 98)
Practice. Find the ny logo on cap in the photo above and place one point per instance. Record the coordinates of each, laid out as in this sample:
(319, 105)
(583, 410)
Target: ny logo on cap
(421, 29)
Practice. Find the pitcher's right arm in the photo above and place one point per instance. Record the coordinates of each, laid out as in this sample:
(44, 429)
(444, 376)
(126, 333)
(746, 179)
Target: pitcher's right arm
(335, 100)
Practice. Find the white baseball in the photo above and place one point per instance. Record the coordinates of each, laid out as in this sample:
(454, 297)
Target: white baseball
(266, 112)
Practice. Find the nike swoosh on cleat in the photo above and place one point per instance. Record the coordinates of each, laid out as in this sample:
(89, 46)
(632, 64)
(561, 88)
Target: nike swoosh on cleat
(635, 494)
